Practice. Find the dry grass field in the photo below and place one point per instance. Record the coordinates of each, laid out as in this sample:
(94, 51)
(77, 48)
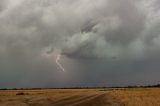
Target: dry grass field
(138, 96)
(81, 97)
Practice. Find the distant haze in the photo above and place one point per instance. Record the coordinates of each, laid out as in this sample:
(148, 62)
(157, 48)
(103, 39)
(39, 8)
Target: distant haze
(101, 43)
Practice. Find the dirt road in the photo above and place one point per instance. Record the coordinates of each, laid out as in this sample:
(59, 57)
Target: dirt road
(67, 99)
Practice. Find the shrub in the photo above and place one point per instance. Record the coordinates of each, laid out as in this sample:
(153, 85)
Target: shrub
(20, 93)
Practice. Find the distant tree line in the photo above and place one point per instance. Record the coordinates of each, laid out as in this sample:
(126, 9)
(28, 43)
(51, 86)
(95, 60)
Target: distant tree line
(135, 86)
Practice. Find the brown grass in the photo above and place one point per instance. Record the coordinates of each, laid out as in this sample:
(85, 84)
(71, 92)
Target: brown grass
(138, 96)
(43, 91)
(81, 97)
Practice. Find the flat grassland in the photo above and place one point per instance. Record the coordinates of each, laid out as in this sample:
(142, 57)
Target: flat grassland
(81, 97)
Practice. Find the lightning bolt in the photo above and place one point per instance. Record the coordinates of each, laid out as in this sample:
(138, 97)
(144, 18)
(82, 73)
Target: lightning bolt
(57, 62)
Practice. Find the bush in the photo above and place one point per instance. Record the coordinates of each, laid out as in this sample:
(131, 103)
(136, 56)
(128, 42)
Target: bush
(20, 93)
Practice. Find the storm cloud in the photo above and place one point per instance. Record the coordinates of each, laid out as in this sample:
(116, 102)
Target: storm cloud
(102, 42)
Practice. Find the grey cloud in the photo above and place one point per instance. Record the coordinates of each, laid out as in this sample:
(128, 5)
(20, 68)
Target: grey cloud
(156, 4)
(119, 19)
(132, 21)
(107, 37)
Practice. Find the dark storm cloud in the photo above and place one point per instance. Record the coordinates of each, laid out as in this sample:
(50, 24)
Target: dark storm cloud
(102, 42)
(118, 23)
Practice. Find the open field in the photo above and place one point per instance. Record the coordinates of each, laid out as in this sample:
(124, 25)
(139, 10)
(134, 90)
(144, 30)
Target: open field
(81, 97)
(138, 96)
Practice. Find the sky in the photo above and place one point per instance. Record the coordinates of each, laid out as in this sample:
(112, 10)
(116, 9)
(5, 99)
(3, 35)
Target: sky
(97, 42)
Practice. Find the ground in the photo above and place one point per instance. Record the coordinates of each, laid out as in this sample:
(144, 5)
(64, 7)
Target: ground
(81, 97)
